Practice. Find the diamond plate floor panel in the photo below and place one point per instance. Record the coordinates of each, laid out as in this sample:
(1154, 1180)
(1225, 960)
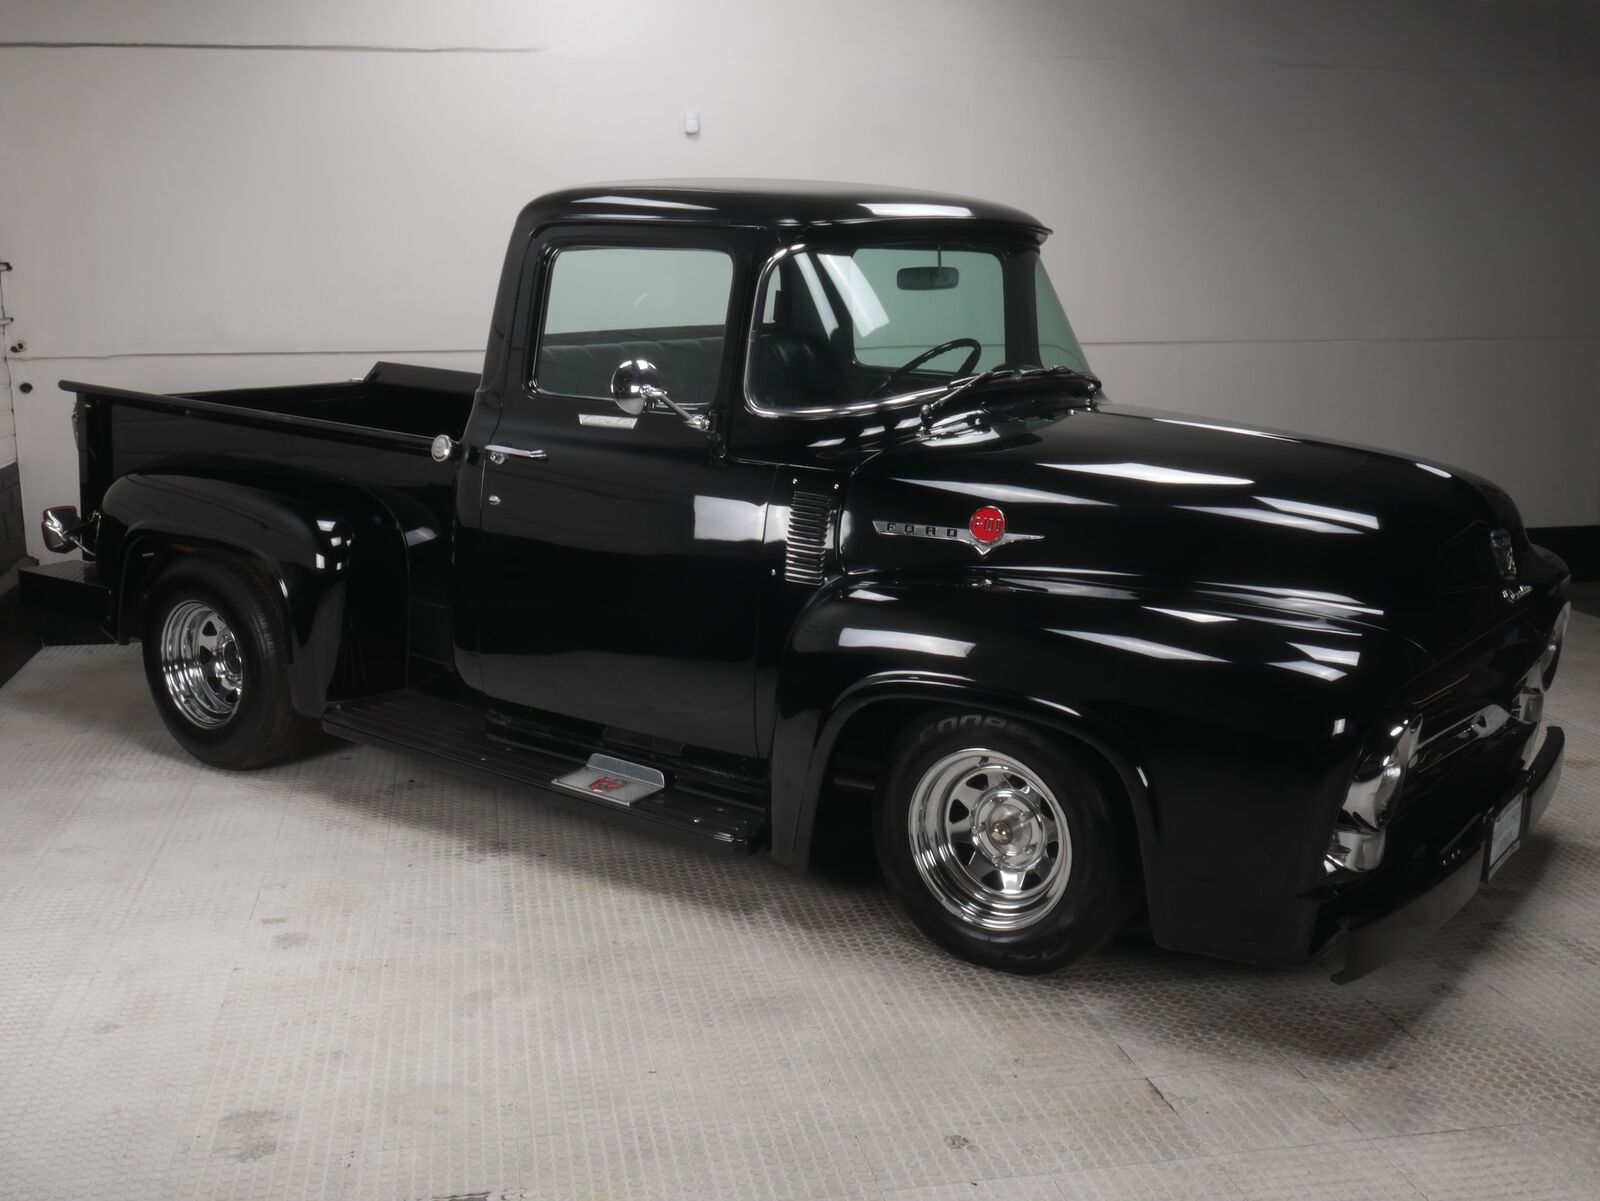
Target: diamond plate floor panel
(355, 977)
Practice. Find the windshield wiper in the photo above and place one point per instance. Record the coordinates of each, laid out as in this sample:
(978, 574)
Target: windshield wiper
(1090, 383)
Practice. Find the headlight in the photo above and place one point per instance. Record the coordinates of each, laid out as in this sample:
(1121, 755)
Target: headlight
(1357, 842)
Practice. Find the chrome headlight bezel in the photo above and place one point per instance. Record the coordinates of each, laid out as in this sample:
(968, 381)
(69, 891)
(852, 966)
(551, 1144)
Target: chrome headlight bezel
(1381, 774)
(1528, 709)
(1357, 841)
(1353, 850)
(1551, 659)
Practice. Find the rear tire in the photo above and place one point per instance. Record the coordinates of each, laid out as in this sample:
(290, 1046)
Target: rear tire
(215, 657)
(1001, 844)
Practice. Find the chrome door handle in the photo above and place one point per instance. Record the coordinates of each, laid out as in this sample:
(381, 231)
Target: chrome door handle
(499, 454)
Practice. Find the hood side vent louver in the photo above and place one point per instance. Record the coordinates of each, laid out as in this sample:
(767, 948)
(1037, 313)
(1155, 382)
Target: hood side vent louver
(804, 559)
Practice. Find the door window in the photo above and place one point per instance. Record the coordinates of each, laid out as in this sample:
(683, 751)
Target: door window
(606, 305)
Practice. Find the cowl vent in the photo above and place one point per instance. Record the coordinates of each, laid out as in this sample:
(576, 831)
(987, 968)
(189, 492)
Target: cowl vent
(809, 511)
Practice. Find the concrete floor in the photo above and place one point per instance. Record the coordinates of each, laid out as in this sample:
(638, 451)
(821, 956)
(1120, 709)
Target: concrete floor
(354, 977)
(1586, 598)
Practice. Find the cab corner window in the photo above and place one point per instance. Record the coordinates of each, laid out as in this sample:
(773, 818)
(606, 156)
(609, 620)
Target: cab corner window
(605, 305)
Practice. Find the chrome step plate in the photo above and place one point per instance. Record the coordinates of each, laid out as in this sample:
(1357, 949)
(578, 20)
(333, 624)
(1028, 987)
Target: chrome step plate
(613, 780)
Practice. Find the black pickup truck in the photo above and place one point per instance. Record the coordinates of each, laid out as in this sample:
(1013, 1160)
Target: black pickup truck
(782, 513)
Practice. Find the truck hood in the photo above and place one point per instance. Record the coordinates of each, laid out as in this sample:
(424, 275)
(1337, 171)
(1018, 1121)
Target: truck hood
(1176, 504)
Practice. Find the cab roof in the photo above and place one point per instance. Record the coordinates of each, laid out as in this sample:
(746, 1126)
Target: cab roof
(774, 203)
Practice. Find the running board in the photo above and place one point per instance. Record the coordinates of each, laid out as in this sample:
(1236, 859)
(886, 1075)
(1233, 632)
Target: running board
(452, 736)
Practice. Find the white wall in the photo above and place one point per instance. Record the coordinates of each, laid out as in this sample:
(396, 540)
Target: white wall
(8, 434)
(1371, 219)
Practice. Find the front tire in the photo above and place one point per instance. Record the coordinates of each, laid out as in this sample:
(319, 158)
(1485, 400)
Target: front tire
(1001, 845)
(215, 657)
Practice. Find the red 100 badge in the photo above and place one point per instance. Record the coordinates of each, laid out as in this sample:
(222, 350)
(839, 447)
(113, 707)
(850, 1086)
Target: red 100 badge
(985, 530)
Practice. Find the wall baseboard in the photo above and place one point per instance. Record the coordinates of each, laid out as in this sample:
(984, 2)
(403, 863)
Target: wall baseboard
(1579, 545)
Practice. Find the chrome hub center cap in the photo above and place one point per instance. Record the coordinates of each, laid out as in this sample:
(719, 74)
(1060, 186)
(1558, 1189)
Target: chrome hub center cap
(1009, 829)
(228, 667)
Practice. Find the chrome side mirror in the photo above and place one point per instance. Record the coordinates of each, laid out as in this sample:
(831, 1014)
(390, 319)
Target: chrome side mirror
(59, 524)
(635, 383)
(632, 385)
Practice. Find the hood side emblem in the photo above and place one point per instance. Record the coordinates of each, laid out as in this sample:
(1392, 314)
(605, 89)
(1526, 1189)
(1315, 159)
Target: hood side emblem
(985, 530)
(1505, 562)
(1505, 559)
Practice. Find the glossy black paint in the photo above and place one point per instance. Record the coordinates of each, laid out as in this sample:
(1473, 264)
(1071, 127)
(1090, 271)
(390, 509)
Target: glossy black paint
(353, 523)
(1218, 617)
(621, 571)
(71, 590)
(1167, 503)
(1228, 784)
(786, 205)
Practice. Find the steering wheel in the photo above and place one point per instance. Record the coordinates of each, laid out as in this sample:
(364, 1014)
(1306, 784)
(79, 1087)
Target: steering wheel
(899, 373)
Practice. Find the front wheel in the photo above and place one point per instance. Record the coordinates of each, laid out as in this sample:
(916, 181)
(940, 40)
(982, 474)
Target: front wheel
(1001, 845)
(215, 659)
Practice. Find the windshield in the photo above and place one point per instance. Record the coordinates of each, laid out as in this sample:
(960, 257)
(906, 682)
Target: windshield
(850, 324)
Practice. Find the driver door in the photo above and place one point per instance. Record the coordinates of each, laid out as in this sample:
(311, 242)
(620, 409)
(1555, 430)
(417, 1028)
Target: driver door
(626, 555)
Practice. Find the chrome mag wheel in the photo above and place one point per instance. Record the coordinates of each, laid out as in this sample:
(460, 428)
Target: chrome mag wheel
(201, 664)
(989, 839)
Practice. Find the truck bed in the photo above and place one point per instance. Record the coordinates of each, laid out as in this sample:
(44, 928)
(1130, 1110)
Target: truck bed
(392, 398)
(371, 436)
(396, 397)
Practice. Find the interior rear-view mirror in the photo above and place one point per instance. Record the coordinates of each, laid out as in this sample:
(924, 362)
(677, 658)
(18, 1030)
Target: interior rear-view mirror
(927, 279)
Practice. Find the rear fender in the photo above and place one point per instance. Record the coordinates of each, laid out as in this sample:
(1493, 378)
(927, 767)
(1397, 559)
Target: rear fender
(337, 560)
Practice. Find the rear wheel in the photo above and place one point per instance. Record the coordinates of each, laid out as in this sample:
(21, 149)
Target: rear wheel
(1000, 844)
(216, 662)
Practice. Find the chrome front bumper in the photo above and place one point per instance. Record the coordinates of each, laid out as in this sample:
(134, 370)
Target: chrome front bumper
(1441, 887)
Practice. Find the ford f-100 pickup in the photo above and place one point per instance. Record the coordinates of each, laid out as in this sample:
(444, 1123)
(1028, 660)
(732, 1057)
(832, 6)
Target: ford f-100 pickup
(785, 515)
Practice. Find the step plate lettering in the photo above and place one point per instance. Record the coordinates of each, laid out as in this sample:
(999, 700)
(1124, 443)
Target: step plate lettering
(615, 781)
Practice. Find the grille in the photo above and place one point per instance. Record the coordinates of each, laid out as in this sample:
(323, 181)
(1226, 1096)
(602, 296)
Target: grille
(1452, 737)
(808, 536)
(1472, 735)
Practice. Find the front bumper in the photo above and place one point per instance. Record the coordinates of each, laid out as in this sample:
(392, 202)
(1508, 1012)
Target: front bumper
(1436, 890)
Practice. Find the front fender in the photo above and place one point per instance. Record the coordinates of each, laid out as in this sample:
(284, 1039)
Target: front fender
(1233, 728)
(331, 555)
